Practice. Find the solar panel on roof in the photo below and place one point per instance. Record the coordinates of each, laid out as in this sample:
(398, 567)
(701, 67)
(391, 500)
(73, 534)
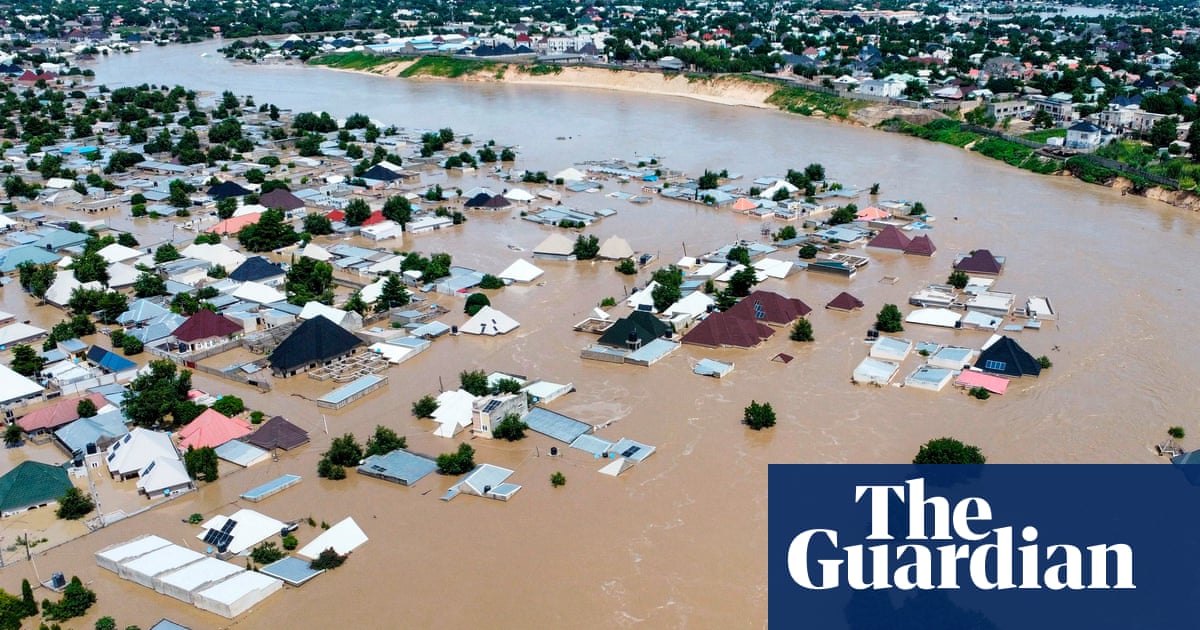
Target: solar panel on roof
(629, 452)
(210, 536)
(229, 525)
(491, 406)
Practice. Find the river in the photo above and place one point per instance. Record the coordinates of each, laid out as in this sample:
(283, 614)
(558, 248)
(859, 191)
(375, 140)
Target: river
(680, 540)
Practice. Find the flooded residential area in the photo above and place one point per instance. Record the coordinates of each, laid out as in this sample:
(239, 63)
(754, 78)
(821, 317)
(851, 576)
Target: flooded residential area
(658, 541)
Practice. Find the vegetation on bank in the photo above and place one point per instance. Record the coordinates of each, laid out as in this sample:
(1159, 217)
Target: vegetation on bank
(445, 67)
(798, 100)
(952, 132)
(351, 60)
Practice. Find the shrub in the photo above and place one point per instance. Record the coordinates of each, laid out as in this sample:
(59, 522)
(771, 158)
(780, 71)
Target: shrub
(267, 553)
(1044, 361)
(802, 330)
(808, 251)
(958, 279)
(229, 405)
(980, 393)
(195, 518)
(256, 417)
(75, 602)
(889, 319)
(608, 302)
(510, 428)
(948, 451)
(131, 346)
(328, 559)
(457, 463)
(627, 267)
(1176, 432)
(558, 479)
(475, 303)
(759, 416)
(290, 542)
(491, 282)
(425, 406)
(74, 505)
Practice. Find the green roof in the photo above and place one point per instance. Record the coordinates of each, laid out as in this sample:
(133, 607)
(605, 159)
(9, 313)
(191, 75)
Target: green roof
(32, 483)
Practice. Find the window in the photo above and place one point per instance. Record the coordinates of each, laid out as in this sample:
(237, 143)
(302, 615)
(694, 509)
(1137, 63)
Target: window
(995, 365)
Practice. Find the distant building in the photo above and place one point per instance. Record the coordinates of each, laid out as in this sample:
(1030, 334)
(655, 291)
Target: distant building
(1083, 136)
(1062, 110)
(1012, 108)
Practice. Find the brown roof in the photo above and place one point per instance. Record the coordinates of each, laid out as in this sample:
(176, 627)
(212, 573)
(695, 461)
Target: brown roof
(890, 237)
(980, 261)
(770, 308)
(205, 324)
(58, 414)
(921, 246)
(280, 199)
(727, 329)
(844, 302)
(278, 433)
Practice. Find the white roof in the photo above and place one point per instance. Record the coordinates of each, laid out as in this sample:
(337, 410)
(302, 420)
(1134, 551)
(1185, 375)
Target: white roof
(391, 264)
(6, 222)
(117, 252)
(392, 352)
(694, 304)
(258, 292)
(709, 270)
(943, 317)
(891, 349)
(252, 208)
(645, 297)
(382, 230)
(775, 268)
(521, 271)
(251, 528)
(779, 183)
(65, 283)
(122, 275)
(143, 568)
(518, 194)
(195, 576)
(489, 321)
(234, 596)
(133, 452)
(687, 262)
(19, 331)
(316, 252)
(317, 309)
(371, 292)
(556, 244)
(110, 556)
(569, 174)
(453, 412)
(732, 271)
(162, 473)
(344, 537)
(876, 371)
(615, 247)
(216, 254)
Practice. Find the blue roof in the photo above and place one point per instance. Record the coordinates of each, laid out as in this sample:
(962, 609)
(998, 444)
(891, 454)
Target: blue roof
(632, 450)
(556, 425)
(113, 393)
(351, 389)
(10, 258)
(273, 486)
(58, 239)
(292, 570)
(399, 466)
(108, 360)
(77, 435)
(141, 310)
(592, 444)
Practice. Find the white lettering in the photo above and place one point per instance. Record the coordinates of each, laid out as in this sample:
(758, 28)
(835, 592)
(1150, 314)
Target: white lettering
(879, 508)
(1068, 574)
(798, 560)
(1099, 558)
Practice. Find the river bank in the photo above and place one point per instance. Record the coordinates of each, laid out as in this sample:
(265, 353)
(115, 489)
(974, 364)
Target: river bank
(744, 91)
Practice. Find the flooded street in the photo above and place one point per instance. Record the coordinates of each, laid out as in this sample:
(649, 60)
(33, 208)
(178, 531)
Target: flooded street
(679, 540)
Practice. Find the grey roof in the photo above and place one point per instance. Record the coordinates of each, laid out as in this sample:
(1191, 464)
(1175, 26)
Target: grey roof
(77, 435)
(592, 444)
(632, 450)
(141, 310)
(239, 453)
(295, 571)
(399, 466)
(556, 425)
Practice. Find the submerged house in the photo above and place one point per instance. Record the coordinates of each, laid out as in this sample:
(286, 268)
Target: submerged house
(1006, 357)
(634, 331)
(204, 330)
(727, 329)
(31, 485)
(980, 261)
(770, 308)
(316, 342)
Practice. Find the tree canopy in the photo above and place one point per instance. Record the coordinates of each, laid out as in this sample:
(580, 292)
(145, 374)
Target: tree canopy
(270, 232)
(155, 395)
(948, 451)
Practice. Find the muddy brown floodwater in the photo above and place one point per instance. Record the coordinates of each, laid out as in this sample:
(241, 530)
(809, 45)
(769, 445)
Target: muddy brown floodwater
(680, 540)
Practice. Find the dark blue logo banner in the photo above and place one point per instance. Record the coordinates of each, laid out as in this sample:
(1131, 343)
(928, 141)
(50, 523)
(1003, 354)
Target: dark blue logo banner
(992, 547)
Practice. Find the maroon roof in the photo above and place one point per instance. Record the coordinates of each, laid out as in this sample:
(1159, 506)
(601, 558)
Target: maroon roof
(890, 237)
(980, 261)
(776, 309)
(205, 324)
(280, 199)
(921, 246)
(497, 201)
(844, 302)
(727, 329)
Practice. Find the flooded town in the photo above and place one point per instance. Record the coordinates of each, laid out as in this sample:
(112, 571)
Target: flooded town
(279, 339)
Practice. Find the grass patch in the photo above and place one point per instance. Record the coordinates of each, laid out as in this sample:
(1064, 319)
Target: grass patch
(1045, 134)
(351, 61)
(806, 102)
(446, 67)
(1017, 155)
(1089, 171)
(540, 69)
(944, 131)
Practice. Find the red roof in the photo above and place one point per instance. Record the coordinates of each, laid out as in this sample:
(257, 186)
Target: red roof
(205, 324)
(212, 428)
(920, 246)
(890, 237)
(774, 308)
(340, 215)
(727, 329)
(844, 302)
(58, 414)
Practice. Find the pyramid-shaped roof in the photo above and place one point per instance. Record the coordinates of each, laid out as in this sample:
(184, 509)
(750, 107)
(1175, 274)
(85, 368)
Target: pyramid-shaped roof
(497, 201)
(871, 213)
(890, 237)
(770, 308)
(980, 261)
(227, 189)
(32, 483)
(844, 302)
(615, 248)
(316, 340)
(744, 204)
(725, 329)
(1006, 357)
(645, 326)
(212, 428)
(281, 199)
(256, 268)
(477, 201)
(489, 321)
(920, 246)
(205, 324)
(278, 432)
(61, 412)
(521, 271)
(381, 173)
(555, 244)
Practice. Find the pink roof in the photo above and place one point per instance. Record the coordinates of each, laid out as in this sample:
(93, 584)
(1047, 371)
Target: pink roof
(971, 378)
(233, 225)
(58, 414)
(212, 428)
(871, 213)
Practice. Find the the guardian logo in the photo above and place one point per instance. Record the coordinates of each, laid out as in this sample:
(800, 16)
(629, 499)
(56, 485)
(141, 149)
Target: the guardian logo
(971, 554)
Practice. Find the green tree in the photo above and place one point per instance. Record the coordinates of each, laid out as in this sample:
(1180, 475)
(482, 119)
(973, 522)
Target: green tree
(916, 90)
(75, 602)
(85, 408)
(13, 435)
(474, 382)
(397, 208)
(506, 386)
(1193, 140)
(948, 451)
(74, 504)
(889, 319)
(1164, 131)
(309, 280)
(958, 279)
(357, 212)
(808, 251)
(132, 346)
(425, 406)
(179, 194)
(266, 553)
(459, 462)
(510, 428)
(785, 233)
(229, 405)
(802, 330)
(226, 207)
(1042, 120)
(739, 254)
(586, 247)
(345, 451)
(27, 600)
(36, 279)
(475, 303)
(627, 267)
(1176, 432)
(845, 214)
(384, 441)
(709, 180)
(392, 294)
(201, 463)
(327, 560)
(111, 305)
(166, 253)
(317, 224)
(91, 267)
(558, 480)
(491, 282)
(153, 396)
(270, 232)
(743, 281)
(356, 303)
(26, 361)
(759, 416)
